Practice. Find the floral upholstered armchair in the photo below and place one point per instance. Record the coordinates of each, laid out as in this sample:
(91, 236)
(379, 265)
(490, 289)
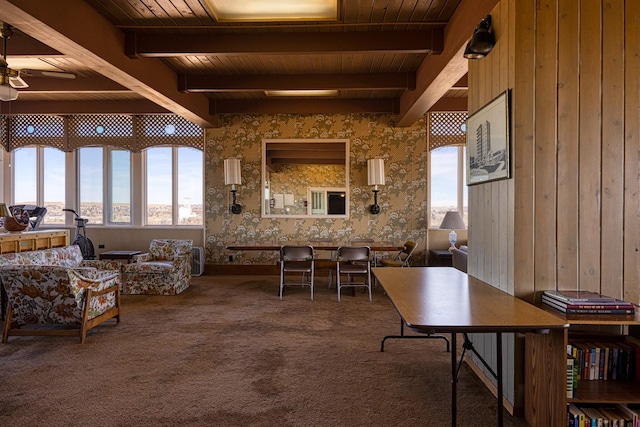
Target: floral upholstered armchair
(58, 295)
(164, 270)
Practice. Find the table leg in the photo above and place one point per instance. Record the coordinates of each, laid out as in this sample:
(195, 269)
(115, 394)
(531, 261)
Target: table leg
(454, 378)
(499, 376)
(3, 302)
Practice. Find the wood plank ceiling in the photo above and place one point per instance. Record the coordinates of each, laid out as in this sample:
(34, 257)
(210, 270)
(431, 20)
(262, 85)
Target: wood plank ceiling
(152, 56)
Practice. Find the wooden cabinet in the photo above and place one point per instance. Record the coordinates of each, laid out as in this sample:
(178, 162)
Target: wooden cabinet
(550, 352)
(32, 240)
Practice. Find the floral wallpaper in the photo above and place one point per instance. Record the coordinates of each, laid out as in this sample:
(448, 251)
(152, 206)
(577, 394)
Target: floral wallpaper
(403, 199)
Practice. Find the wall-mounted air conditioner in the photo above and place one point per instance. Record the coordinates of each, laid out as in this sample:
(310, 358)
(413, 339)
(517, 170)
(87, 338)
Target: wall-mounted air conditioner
(197, 261)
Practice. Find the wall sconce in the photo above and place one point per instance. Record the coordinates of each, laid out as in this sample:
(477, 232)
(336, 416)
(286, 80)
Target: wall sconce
(452, 221)
(233, 177)
(482, 40)
(375, 169)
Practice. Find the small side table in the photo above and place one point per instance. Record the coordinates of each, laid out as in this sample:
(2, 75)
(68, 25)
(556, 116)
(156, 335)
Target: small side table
(119, 255)
(440, 258)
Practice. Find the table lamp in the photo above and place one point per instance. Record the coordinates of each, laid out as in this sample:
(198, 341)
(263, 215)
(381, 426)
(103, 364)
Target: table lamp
(452, 221)
(233, 177)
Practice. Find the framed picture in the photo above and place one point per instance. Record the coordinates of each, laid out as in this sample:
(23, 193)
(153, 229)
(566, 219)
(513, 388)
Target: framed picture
(488, 141)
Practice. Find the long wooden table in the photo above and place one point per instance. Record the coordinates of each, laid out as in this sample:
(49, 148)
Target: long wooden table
(435, 300)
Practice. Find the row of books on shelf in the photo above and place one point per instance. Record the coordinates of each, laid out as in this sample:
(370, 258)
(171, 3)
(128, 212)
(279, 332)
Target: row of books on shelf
(617, 415)
(586, 302)
(619, 360)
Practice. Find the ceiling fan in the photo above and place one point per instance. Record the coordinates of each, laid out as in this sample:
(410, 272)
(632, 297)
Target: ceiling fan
(11, 80)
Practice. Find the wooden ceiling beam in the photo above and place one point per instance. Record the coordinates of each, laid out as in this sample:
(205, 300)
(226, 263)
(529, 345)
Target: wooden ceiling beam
(304, 106)
(63, 108)
(218, 83)
(139, 45)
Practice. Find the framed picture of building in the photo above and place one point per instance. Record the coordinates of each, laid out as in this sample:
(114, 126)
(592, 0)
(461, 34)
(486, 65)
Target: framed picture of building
(488, 141)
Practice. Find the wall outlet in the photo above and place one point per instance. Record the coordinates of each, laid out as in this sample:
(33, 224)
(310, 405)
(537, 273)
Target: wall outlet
(100, 246)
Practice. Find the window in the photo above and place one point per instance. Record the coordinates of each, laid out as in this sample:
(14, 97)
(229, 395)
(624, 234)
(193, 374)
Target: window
(448, 189)
(120, 184)
(190, 186)
(54, 185)
(39, 179)
(90, 173)
(174, 186)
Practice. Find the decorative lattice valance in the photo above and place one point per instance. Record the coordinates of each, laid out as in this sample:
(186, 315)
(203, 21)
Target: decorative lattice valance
(68, 133)
(446, 128)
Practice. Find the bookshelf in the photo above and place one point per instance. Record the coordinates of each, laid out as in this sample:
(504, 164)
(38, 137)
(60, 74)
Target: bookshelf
(541, 350)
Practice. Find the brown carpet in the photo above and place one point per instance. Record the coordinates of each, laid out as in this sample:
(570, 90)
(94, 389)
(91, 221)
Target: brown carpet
(228, 352)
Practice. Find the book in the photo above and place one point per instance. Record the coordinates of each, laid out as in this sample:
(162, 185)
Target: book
(595, 416)
(629, 414)
(576, 416)
(558, 305)
(578, 296)
(616, 418)
(570, 377)
(635, 343)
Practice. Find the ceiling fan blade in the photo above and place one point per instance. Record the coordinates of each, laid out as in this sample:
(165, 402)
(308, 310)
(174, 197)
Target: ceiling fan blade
(17, 82)
(46, 73)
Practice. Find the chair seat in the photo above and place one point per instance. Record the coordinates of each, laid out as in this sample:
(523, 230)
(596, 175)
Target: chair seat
(391, 263)
(353, 269)
(302, 267)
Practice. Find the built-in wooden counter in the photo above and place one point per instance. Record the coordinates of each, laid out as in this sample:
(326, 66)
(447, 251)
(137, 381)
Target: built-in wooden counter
(22, 241)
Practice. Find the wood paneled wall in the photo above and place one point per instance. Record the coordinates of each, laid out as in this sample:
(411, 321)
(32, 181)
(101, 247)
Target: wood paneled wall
(569, 217)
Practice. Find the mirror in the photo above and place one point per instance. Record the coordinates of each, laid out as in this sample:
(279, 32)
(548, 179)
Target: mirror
(305, 178)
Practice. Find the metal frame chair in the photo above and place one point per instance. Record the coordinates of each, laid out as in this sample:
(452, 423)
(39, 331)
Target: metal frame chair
(402, 259)
(353, 260)
(297, 259)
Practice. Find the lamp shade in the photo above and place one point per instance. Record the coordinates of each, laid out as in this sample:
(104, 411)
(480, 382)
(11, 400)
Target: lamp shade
(4, 211)
(8, 93)
(232, 175)
(453, 221)
(375, 169)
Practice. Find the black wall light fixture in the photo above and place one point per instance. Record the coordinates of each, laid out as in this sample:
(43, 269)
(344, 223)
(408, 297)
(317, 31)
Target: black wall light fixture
(375, 177)
(233, 177)
(482, 40)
